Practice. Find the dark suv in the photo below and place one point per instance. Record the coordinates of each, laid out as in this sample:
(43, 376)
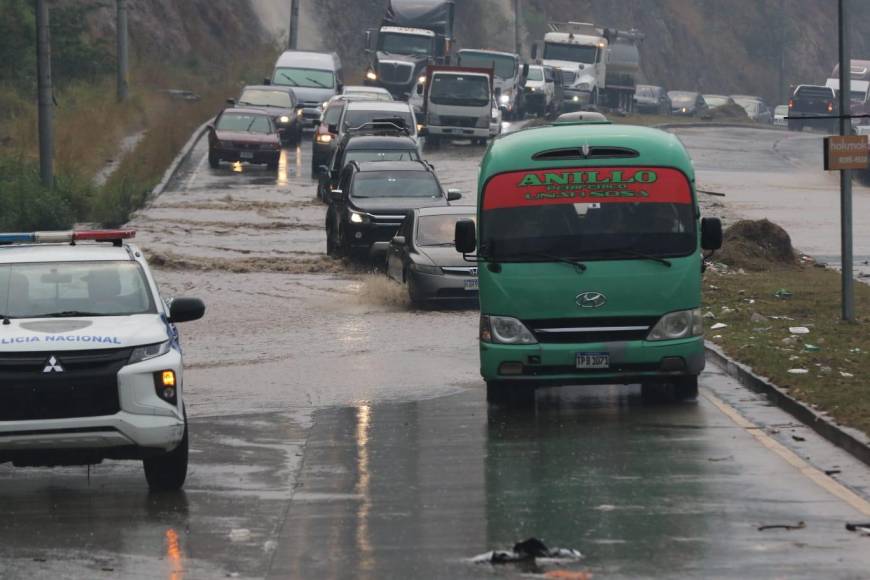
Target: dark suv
(373, 199)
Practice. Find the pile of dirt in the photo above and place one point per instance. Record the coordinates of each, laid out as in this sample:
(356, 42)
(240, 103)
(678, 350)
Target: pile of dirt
(733, 113)
(757, 245)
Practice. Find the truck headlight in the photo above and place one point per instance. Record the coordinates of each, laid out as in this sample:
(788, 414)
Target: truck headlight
(421, 80)
(371, 75)
(284, 119)
(504, 99)
(504, 330)
(149, 351)
(680, 324)
(358, 218)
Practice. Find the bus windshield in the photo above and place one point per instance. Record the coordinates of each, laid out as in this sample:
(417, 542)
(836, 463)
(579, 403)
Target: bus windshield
(588, 213)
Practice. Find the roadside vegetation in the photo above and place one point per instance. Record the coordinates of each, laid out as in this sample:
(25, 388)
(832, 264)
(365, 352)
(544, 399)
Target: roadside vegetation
(89, 122)
(780, 314)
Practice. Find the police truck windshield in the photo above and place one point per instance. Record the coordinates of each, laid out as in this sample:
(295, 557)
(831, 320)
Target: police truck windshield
(72, 289)
(460, 90)
(588, 214)
(571, 52)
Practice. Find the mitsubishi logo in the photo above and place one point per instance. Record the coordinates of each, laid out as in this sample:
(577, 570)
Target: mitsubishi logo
(591, 300)
(52, 366)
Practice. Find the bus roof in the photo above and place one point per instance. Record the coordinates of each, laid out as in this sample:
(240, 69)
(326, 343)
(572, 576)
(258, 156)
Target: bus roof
(515, 151)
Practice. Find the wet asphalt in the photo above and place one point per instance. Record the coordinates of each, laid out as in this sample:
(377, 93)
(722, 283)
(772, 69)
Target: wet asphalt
(339, 433)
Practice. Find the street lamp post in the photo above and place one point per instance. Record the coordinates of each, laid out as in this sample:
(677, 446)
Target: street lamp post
(44, 94)
(848, 298)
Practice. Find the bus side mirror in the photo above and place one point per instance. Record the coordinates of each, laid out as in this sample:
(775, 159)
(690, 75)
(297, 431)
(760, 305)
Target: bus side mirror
(465, 237)
(711, 234)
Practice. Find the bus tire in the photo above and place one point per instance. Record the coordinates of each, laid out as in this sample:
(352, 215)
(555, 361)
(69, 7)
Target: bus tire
(512, 393)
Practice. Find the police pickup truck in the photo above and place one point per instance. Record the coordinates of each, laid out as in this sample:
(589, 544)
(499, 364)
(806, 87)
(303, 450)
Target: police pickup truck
(90, 361)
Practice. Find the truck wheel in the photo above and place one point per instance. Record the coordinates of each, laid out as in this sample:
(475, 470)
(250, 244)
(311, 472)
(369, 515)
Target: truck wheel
(213, 159)
(417, 299)
(686, 388)
(167, 472)
(513, 393)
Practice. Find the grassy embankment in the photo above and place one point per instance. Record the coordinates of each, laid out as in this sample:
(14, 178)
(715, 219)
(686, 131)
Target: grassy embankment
(834, 354)
(89, 125)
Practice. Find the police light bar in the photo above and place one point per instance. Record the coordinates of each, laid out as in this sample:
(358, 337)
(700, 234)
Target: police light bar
(114, 236)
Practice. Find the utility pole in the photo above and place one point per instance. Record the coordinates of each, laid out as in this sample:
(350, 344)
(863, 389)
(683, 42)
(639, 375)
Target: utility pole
(293, 36)
(846, 175)
(518, 43)
(123, 70)
(44, 94)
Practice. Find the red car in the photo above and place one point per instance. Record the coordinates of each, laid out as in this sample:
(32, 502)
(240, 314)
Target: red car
(244, 135)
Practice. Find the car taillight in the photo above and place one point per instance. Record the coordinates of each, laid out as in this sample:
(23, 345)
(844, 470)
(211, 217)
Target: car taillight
(830, 107)
(791, 103)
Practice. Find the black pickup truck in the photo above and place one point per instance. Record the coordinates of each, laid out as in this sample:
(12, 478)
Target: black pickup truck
(813, 101)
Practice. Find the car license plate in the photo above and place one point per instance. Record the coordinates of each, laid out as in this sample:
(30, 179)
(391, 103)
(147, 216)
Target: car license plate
(593, 360)
(246, 155)
(472, 284)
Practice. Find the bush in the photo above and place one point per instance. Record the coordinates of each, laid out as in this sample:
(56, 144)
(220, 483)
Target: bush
(25, 205)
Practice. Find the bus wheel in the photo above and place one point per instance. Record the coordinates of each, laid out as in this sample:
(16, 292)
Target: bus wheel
(686, 388)
(513, 393)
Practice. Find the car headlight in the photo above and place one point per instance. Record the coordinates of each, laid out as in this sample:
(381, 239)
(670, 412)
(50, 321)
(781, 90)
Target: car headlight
(504, 99)
(371, 75)
(504, 330)
(324, 138)
(149, 351)
(680, 324)
(421, 80)
(284, 119)
(358, 218)
(426, 269)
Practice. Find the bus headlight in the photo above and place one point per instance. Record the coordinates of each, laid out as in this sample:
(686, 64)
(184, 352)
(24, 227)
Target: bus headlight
(504, 330)
(676, 325)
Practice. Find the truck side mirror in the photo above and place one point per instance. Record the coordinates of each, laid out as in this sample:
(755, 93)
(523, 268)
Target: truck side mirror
(231, 102)
(535, 51)
(336, 195)
(419, 88)
(525, 71)
(465, 237)
(186, 310)
(711, 234)
(368, 40)
(454, 194)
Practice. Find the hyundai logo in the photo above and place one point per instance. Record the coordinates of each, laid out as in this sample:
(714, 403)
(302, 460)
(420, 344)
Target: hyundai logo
(472, 271)
(52, 365)
(591, 300)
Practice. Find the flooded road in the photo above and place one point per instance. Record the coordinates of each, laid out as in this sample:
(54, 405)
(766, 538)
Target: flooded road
(339, 433)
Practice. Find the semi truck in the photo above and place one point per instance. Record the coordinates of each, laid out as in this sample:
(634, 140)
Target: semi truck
(599, 66)
(457, 102)
(413, 35)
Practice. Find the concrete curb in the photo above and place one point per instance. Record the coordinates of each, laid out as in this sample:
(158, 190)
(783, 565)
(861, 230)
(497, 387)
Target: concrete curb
(851, 440)
(701, 125)
(178, 161)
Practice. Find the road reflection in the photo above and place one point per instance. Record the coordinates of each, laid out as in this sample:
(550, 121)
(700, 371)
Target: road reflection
(174, 555)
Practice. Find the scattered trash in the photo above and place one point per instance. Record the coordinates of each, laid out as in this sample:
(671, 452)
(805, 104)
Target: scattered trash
(783, 294)
(756, 317)
(799, 330)
(240, 535)
(718, 325)
(798, 371)
(812, 348)
(789, 527)
(789, 340)
(794, 357)
(826, 370)
(863, 529)
(798, 438)
(781, 318)
(525, 551)
(855, 350)
(717, 336)
(725, 311)
(833, 472)
(709, 315)
(846, 375)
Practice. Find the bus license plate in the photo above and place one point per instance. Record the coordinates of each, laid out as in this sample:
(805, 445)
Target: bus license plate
(593, 360)
(472, 284)
(246, 155)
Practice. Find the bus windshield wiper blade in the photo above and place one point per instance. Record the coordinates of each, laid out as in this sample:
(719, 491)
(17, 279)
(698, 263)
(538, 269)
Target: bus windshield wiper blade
(636, 254)
(295, 84)
(71, 314)
(579, 265)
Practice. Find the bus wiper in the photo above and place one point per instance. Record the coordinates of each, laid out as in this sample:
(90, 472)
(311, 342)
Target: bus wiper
(579, 265)
(71, 314)
(295, 84)
(636, 254)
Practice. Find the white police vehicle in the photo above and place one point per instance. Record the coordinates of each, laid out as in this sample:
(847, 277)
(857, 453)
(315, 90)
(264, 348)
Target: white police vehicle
(90, 362)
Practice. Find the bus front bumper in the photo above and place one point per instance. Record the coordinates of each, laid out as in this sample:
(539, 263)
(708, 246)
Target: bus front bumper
(557, 364)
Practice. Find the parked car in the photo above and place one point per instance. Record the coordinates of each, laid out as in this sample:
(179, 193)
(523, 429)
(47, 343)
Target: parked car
(422, 256)
(314, 76)
(372, 201)
(364, 146)
(716, 101)
(652, 99)
(248, 135)
(755, 107)
(281, 103)
(688, 104)
(813, 101)
(779, 116)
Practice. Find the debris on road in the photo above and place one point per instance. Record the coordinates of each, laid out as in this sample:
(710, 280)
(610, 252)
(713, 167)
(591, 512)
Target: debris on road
(788, 527)
(799, 330)
(783, 294)
(863, 529)
(527, 551)
(718, 325)
(798, 371)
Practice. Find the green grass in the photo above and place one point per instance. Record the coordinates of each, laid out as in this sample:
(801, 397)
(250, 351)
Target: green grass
(837, 379)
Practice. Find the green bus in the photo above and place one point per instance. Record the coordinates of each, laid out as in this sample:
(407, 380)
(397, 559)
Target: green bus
(590, 250)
